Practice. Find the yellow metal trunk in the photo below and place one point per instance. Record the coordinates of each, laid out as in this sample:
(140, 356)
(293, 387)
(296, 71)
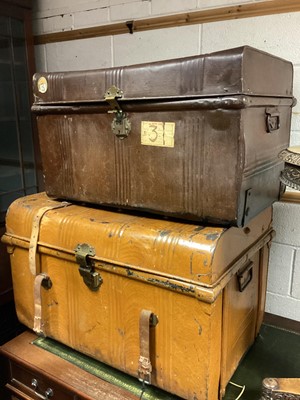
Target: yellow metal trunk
(186, 275)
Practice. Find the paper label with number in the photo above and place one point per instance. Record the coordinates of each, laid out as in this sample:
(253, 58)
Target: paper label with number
(158, 133)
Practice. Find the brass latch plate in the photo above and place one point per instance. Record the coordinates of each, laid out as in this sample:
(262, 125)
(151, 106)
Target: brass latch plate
(91, 278)
(120, 125)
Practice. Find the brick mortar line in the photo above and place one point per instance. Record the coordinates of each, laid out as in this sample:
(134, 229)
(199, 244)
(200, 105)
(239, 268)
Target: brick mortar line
(245, 10)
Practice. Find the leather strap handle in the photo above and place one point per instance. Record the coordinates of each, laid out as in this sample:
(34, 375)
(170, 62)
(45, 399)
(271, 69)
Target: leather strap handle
(147, 319)
(39, 281)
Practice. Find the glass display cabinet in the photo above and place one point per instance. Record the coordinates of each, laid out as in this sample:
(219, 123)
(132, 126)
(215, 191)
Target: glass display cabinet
(18, 143)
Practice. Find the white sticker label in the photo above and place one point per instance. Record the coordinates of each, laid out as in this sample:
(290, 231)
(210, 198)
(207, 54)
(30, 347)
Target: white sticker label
(158, 133)
(42, 84)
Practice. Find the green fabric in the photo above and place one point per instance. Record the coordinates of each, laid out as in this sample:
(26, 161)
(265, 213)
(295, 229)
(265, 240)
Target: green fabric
(275, 354)
(103, 371)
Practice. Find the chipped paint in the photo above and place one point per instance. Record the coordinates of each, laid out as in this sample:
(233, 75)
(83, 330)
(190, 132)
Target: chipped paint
(164, 233)
(121, 332)
(204, 263)
(53, 303)
(171, 285)
(212, 236)
(199, 326)
(198, 228)
(163, 283)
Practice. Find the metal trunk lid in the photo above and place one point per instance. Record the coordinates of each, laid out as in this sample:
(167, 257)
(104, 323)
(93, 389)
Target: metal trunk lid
(189, 253)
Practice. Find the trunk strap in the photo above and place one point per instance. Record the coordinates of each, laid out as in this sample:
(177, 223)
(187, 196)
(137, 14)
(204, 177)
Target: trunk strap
(145, 367)
(34, 264)
(38, 282)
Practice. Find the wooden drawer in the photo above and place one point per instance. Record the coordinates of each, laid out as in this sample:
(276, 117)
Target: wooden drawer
(27, 384)
(33, 372)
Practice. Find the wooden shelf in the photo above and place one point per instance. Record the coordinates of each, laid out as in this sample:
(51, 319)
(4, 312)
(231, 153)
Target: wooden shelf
(188, 18)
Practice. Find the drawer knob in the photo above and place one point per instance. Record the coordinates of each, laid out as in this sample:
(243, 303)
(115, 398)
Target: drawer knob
(34, 383)
(48, 392)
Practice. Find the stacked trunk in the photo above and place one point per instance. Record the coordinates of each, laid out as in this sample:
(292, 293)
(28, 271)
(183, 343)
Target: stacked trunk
(176, 303)
(196, 138)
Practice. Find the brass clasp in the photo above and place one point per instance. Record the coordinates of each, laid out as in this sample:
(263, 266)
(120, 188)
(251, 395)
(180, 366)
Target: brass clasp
(120, 125)
(90, 277)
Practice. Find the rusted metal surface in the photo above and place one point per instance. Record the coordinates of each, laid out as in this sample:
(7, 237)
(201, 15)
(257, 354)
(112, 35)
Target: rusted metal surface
(178, 271)
(192, 253)
(194, 136)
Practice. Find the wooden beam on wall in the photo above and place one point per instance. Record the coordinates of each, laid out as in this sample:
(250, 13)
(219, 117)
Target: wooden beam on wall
(189, 18)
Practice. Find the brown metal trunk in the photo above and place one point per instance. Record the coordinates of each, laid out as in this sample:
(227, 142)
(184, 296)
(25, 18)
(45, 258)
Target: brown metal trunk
(195, 138)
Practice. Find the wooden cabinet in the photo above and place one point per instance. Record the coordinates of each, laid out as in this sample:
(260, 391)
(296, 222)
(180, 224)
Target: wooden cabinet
(36, 374)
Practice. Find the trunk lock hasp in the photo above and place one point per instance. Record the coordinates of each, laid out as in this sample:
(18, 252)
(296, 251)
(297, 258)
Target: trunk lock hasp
(120, 125)
(90, 277)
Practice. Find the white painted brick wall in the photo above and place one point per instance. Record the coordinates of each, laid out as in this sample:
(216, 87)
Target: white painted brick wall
(134, 10)
(287, 223)
(296, 276)
(276, 34)
(62, 22)
(89, 18)
(283, 296)
(280, 275)
(118, 10)
(80, 54)
(40, 58)
(296, 110)
(160, 44)
(175, 6)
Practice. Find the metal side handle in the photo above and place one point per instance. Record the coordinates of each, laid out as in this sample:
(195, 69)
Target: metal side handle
(272, 119)
(245, 276)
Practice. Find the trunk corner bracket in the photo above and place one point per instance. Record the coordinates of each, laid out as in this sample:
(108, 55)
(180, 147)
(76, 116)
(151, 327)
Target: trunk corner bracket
(91, 278)
(120, 125)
